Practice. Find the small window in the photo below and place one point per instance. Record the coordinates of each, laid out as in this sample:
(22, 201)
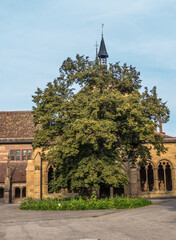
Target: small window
(17, 155)
(12, 155)
(29, 154)
(24, 156)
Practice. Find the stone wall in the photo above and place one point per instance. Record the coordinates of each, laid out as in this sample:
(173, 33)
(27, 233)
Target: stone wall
(12, 173)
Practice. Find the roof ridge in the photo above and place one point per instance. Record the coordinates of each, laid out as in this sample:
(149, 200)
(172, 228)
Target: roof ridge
(16, 111)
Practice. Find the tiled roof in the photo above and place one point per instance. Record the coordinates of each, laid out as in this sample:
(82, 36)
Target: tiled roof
(16, 126)
(102, 51)
(167, 138)
(17, 172)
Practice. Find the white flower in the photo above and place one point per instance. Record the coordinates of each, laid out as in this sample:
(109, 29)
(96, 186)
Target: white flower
(59, 204)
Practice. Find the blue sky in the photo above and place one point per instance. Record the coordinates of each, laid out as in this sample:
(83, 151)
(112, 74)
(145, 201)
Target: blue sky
(37, 35)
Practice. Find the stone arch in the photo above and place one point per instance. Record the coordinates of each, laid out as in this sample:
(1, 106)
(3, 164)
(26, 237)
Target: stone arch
(17, 192)
(165, 175)
(147, 176)
(50, 177)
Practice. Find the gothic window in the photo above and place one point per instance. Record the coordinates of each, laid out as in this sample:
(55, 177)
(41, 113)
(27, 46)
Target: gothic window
(17, 192)
(150, 177)
(146, 177)
(142, 177)
(50, 177)
(168, 177)
(164, 176)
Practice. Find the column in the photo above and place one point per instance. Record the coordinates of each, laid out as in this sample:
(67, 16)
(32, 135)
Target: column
(156, 188)
(133, 181)
(111, 192)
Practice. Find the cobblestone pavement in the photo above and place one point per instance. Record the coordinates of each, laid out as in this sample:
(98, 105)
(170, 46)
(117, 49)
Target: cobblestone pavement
(152, 222)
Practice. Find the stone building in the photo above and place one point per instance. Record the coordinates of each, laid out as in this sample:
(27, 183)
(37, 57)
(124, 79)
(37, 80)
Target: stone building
(23, 173)
(156, 179)
(16, 136)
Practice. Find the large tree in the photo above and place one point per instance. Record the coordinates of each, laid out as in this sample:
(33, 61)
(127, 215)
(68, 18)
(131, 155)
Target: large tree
(89, 135)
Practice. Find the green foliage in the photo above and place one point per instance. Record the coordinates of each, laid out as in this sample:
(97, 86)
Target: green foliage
(81, 204)
(90, 135)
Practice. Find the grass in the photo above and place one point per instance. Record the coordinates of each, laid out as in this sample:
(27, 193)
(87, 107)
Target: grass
(82, 204)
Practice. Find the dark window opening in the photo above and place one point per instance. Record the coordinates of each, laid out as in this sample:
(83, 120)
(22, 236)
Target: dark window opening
(24, 192)
(168, 178)
(17, 192)
(1, 192)
(50, 178)
(150, 177)
(161, 177)
(143, 178)
(119, 191)
(104, 191)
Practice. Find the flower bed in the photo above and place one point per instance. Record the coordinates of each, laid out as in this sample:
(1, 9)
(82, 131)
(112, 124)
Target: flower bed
(82, 204)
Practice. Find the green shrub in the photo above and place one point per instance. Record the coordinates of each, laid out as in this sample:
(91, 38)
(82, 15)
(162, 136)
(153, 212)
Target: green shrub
(82, 204)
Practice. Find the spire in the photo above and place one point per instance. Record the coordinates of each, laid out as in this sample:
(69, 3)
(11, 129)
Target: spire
(103, 55)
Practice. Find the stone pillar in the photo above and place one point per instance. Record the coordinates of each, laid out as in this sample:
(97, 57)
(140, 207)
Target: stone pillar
(133, 181)
(173, 174)
(155, 173)
(7, 190)
(111, 192)
(138, 181)
(33, 176)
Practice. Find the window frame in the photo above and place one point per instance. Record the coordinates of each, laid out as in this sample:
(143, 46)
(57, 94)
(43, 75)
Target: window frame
(27, 154)
(20, 155)
(15, 155)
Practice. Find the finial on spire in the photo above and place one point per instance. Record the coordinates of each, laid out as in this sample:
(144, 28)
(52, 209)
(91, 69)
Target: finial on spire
(102, 25)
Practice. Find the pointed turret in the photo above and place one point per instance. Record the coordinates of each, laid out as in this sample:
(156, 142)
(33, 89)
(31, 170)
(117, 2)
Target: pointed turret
(103, 55)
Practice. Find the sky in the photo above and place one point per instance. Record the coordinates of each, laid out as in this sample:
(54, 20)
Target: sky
(36, 36)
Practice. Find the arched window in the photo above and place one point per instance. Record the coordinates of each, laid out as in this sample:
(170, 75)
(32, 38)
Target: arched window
(150, 177)
(146, 177)
(50, 177)
(168, 177)
(1, 192)
(143, 178)
(24, 192)
(17, 192)
(165, 176)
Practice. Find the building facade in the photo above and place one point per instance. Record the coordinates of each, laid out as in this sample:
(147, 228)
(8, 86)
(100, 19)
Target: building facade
(23, 173)
(157, 179)
(16, 136)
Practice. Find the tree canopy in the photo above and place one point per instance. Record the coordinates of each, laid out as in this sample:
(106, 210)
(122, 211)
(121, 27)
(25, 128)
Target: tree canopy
(89, 135)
